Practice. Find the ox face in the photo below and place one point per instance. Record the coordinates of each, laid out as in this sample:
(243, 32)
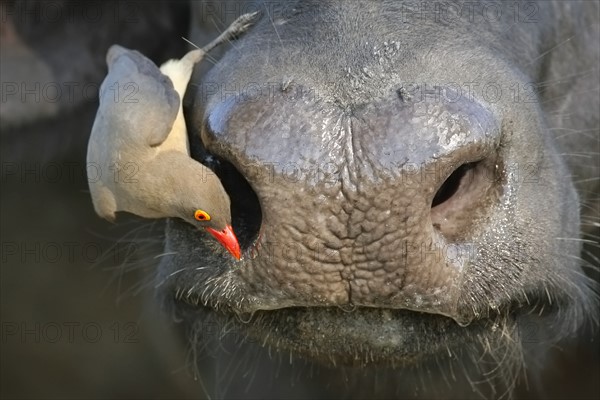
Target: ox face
(394, 198)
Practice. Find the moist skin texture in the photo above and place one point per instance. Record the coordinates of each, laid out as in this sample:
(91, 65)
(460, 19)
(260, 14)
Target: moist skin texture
(406, 188)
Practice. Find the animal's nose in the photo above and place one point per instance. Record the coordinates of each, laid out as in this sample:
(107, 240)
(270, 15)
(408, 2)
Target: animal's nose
(375, 205)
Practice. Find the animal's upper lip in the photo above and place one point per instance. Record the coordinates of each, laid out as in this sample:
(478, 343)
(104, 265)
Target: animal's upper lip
(505, 309)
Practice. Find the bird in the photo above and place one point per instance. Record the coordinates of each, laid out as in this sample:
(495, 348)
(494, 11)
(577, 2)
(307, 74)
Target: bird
(138, 158)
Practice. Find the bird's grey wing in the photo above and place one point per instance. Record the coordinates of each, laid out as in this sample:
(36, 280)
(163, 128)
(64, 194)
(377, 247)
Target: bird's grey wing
(137, 98)
(138, 106)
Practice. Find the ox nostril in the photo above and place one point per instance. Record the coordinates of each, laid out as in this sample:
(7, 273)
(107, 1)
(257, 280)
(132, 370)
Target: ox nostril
(464, 197)
(452, 184)
(246, 212)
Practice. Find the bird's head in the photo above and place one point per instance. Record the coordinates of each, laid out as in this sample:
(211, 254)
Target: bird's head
(204, 203)
(217, 224)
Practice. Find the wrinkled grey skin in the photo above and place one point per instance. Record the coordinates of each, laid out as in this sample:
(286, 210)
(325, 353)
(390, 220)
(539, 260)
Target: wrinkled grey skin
(346, 118)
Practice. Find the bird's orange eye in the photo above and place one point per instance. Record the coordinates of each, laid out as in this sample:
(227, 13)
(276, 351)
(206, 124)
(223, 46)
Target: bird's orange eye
(201, 215)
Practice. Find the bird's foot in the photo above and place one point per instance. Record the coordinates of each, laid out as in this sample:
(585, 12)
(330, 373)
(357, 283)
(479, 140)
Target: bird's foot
(234, 31)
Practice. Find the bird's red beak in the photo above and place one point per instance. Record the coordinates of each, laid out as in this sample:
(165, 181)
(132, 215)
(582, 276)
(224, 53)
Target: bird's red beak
(228, 239)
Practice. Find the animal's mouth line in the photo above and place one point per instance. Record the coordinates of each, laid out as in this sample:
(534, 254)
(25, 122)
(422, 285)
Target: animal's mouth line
(351, 310)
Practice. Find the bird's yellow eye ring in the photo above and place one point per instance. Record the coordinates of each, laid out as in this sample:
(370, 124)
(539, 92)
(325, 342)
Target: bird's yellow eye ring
(201, 215)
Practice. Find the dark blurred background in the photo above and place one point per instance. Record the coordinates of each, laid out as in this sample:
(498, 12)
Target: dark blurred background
(77, 293)
(78, 317)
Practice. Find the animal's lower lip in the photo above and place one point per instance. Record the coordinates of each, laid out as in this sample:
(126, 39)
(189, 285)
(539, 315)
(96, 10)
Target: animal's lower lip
(332, 334)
